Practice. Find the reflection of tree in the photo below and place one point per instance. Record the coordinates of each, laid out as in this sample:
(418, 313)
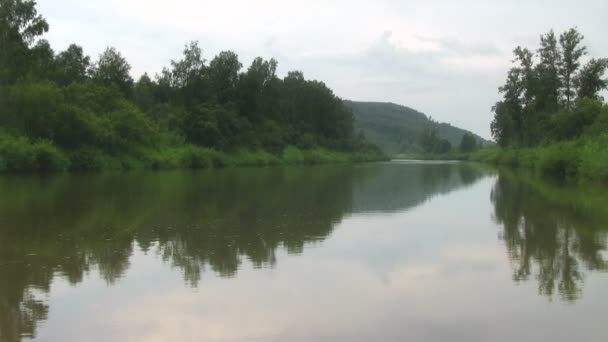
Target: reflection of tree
(555, 242)
(72, 225)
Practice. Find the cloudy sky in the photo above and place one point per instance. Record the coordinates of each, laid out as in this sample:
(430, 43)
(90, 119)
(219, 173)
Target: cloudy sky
(444, 58)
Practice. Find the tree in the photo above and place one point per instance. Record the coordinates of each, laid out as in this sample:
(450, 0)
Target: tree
(71, 65)
(257, 90)
(547, 71)
(444, 146)
(20, 24)
(589, 81)
(224, 76)
(527, 81)
(570, 62)
(113, 69)
(511, 107)
(42, 63)
(187, 77)
(502, 126)
(429, 139)
(144, 92)
(468, 143)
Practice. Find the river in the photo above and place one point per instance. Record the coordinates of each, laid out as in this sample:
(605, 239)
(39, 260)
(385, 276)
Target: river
(396, 251)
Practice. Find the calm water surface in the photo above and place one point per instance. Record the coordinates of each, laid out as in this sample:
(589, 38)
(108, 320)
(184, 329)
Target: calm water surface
(374, 252)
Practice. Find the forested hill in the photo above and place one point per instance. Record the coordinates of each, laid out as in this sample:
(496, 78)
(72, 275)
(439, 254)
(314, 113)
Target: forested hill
(397, 129)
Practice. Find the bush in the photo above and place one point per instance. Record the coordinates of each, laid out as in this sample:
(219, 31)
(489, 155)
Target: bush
(559, 160)
(293, 155)
(194, 157)
(20, 154)
(594, 159)
(49, 158)
(87, 159)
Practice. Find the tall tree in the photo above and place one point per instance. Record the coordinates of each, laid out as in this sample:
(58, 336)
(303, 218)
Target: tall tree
(113, 68)
(20, 24)
(187, 77)
(572, 52)
(512, 93)
(468, 143)
(224, 76)
(527, 82)
(589, 81)
(547, 71)
(42, 60)
(71, 65)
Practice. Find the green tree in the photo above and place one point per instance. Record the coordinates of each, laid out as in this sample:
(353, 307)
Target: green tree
(572, 52)
(144, 91)
(113, 69)
(224, 76)
(187, 78)
(20, 25)
(547, 71)
(589, 81)
(429, 139)
(468, 143)
(444, 146)
(42, 61)
(257, 87)
(502, 125)
(71, 65)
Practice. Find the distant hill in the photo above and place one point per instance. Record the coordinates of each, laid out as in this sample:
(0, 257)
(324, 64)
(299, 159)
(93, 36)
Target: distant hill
(396, 129)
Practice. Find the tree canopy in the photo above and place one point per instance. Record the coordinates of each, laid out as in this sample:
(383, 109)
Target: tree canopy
(547, 94)
(69, 103)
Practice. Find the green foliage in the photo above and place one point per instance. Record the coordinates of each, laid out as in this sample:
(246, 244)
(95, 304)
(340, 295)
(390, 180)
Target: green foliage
(20, 154)
(552, 117)
(468, 143)
(553, 100)
(63, 112)
(87, 158)
(113, 69)
(585, 158)
(20, 25)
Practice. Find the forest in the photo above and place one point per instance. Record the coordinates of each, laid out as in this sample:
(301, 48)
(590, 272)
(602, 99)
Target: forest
(63, 110)
(552, 115)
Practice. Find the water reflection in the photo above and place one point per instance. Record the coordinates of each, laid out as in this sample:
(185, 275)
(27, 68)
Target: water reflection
(70, 225)
(554, 234)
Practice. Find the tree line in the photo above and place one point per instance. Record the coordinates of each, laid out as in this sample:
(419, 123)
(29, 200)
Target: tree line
(431, 143)
(85, 108)
(550, 95)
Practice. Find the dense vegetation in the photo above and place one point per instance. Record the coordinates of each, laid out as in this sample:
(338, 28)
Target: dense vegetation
(399, 129)
(64, 111)
(552, 116)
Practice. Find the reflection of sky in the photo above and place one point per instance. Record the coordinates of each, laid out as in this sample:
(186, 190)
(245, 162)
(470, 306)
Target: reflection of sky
(435, 272)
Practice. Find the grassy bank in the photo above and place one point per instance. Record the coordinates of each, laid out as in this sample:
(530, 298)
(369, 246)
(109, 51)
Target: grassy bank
(20, 154)
(452, 155)
(583, 159)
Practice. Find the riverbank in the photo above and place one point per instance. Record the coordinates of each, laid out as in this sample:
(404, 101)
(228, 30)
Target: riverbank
(583, 159)
(19, 154)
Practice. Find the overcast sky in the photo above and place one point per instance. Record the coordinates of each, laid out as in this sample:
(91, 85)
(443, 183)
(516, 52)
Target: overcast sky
(444, 58)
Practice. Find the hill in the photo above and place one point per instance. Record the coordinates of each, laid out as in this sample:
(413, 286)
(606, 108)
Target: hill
(396, 129)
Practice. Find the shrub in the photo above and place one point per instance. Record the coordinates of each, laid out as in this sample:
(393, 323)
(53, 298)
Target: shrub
(293, 155)
(194, 157)
(87, 158)
(559, 160)
(594, 159)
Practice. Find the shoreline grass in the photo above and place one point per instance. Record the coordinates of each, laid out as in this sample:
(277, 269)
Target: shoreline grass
(19, 154)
